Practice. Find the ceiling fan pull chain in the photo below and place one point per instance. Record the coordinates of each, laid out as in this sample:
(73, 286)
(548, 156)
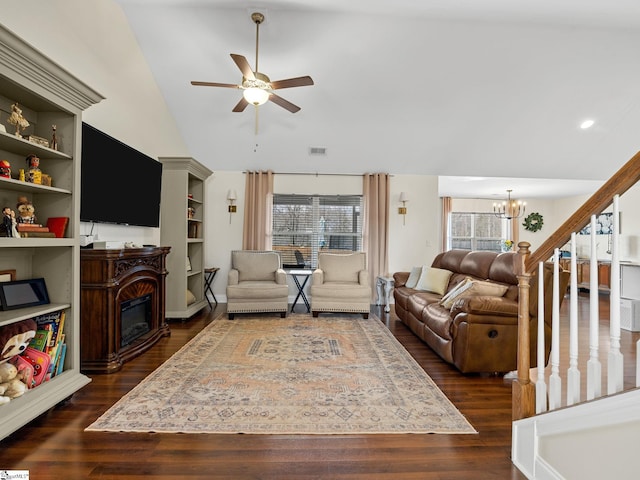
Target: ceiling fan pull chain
(257, 109)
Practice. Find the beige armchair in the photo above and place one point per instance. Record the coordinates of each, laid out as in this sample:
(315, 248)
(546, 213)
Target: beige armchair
(341, 284)
(256, 283)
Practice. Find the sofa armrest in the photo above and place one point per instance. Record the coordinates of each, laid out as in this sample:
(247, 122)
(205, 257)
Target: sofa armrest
(232, 277)
(485, 305)
(281, 277)
(400, 278)
(317, 278)
(363, 277)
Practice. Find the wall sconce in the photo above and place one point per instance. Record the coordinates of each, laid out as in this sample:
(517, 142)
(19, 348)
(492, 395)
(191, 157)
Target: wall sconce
(231, 198)
(403, 209)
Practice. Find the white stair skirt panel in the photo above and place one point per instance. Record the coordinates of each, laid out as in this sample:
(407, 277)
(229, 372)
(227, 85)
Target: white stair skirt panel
(593, 440)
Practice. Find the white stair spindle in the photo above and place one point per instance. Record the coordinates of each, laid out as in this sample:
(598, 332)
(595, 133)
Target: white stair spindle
(615, 366)
(573, 374)
(541, 386)
(555, 384)
(594, 368)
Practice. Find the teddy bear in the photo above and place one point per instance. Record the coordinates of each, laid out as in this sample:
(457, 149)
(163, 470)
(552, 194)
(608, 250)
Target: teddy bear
(11, 384)
(14, 339)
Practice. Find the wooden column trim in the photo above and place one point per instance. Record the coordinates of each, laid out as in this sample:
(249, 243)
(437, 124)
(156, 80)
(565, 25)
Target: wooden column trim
(524, 393)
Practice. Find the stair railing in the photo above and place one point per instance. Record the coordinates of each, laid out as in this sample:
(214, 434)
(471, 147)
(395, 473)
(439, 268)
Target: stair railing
(524, 390)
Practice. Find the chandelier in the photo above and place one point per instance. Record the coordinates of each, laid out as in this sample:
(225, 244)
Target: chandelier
(510, 208)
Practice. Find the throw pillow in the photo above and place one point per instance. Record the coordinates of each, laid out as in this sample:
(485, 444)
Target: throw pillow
(434, 280)
(454, 293)
(487, 288)
(190, 297)
(477, 288)
(414, 276)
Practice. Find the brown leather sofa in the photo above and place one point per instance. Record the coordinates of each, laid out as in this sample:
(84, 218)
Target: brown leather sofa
(478, 333)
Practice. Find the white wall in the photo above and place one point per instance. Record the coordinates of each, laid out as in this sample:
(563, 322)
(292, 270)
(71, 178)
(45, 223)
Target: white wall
(629, 225)
(417, 241)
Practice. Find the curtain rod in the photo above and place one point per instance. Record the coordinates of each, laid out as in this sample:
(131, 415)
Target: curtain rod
(316, 174)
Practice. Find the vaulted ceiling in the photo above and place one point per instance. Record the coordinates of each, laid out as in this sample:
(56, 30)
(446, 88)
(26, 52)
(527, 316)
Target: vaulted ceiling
(470, 88)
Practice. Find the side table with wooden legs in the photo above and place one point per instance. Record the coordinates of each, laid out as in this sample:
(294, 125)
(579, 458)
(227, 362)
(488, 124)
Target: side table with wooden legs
(209, 276)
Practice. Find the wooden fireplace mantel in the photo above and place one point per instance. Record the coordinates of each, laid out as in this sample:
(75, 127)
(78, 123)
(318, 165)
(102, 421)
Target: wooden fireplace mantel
(107, 279)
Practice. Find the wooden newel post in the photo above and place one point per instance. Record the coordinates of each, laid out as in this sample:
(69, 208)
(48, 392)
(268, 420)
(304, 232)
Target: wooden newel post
(523, 389)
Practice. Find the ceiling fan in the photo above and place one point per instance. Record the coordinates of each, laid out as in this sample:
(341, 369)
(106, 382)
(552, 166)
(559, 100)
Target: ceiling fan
(256, 87)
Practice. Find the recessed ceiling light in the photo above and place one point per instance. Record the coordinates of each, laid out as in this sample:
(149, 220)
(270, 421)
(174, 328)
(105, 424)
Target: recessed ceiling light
(587, 124)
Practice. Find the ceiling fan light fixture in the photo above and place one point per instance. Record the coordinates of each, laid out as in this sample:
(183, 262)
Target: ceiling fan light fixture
(256, 87)
(255, 96)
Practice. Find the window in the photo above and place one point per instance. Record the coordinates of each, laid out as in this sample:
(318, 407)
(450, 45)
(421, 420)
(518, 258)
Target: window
(476, 231)
(304, 225)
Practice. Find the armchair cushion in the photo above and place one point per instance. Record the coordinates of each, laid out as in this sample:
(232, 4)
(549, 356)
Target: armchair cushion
(340, 267)
(341, 284)
(255, 266)
(256, 283)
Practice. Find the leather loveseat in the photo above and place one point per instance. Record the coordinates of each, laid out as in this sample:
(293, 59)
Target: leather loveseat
(473, 330)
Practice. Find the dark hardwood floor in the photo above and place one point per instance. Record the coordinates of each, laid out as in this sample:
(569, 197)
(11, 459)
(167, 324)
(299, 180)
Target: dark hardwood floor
(55, 446)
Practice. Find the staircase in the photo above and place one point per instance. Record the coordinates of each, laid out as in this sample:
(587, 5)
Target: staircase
(585, 431)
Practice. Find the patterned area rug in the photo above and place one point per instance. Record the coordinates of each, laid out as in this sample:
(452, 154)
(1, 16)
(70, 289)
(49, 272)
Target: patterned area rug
(298, 375)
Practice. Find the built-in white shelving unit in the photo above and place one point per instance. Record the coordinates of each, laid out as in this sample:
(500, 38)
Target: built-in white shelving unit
(182, 228)
(48, 95)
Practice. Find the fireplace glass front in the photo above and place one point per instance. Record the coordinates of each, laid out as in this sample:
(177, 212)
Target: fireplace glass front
(135, 316)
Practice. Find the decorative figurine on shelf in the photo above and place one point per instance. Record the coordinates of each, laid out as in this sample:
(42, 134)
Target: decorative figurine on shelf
(5, 169)
(33, 174)
(54, 140)
(9, 223)
(26, 211)
(16, 118)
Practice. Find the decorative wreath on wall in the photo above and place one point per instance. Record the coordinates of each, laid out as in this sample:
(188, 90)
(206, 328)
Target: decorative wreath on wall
(533, 222)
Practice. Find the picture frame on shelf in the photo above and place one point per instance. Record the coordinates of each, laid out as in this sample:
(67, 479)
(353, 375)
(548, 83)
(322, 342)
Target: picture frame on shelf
(188, 264)
(7, 275)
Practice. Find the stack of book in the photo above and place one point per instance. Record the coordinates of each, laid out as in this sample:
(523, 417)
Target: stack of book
(50, 341)
(34, 230)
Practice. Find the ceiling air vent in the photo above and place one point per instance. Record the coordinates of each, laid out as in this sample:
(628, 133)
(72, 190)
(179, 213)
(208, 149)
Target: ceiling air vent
(317, 150)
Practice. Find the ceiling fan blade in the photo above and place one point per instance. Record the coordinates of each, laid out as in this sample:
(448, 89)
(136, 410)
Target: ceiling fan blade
(292, 82)
(284, 103)
(214, 84)
(244, 66)
(242, 104)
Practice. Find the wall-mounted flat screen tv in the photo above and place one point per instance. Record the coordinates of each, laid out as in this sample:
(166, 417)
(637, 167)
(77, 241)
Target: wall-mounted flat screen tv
(118, 183)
